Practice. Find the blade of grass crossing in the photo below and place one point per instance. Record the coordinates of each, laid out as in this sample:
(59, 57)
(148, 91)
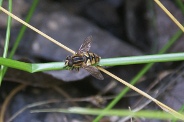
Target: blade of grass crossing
(181, 110)
(139, 75)
(5, 52)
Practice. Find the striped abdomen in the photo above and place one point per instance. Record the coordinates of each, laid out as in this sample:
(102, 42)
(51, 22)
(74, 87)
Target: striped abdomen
(90, 58)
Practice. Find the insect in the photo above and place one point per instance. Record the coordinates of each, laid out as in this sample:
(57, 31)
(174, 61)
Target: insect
(84, 59)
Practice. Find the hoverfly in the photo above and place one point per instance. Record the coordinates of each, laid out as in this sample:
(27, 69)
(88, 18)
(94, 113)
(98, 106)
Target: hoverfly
(85, 59)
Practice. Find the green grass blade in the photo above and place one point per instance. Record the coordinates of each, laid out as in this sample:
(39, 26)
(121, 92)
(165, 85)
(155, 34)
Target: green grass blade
(115, 61)
(23, 28)
(21, 33)
(180, 4)
(16, 64)
(142, 59)
(139, 75)
(48, 66)
(37, 67)
(171, 42)
(181, 110)
(7, 39)
(115, 112)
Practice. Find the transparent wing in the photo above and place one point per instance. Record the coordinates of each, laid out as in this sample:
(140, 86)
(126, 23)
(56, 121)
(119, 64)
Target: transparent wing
(86, 45)
(94, 72)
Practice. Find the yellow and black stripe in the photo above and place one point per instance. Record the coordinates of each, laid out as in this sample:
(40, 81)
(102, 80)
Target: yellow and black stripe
(91, 58)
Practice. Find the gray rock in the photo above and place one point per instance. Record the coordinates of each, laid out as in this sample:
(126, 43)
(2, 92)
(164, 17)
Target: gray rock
(71, 30)
(138, 19)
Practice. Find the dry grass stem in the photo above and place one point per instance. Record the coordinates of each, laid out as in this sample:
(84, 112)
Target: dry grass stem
(170, 15)
(36, 30)
(163, 106)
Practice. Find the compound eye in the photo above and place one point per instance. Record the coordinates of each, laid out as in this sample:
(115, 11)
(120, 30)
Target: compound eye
(70, 63)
